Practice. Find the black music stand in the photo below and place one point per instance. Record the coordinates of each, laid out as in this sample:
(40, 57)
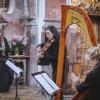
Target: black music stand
(46, 83)
(17, 71)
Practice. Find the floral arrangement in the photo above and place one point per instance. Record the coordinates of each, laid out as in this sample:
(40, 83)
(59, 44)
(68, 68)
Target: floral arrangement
(18, 42)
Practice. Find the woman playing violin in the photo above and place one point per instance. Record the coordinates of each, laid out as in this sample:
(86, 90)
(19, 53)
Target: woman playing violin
(50, 46)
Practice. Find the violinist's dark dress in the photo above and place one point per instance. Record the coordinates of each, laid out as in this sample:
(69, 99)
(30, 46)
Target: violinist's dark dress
(5, 78)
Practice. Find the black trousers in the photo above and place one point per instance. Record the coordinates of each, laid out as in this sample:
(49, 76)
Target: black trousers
(5, 77)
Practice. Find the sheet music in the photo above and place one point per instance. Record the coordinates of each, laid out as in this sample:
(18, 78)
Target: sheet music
(44, 83)
(16, 69)
(55, 87)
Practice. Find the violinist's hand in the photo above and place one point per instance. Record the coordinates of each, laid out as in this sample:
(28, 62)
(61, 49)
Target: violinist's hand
(74, 77)
(39, 55)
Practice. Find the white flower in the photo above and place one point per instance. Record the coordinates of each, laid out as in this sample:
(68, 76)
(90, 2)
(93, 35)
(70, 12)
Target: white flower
(18, 40)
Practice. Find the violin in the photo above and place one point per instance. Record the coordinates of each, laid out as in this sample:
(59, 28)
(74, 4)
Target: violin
(43, 50)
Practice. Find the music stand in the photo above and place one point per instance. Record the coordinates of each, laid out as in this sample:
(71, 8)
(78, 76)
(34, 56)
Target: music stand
(17, 71)
(46, 83)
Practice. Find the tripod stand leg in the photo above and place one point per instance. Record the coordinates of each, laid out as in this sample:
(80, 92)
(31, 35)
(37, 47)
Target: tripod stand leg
(17, 97)
(49, 97)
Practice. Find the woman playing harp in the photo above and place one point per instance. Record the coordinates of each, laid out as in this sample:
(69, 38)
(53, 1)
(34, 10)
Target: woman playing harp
(92, 80)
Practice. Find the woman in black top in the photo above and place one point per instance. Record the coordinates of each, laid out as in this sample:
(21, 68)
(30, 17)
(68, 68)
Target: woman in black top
(4, 69)
(92, 80)
(50, 55)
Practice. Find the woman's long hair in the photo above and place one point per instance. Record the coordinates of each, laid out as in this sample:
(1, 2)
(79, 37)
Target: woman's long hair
(54, 31)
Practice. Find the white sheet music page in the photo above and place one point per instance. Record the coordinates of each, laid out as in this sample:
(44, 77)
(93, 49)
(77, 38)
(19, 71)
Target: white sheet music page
(55, 87)
(44, 84)
(16, 69)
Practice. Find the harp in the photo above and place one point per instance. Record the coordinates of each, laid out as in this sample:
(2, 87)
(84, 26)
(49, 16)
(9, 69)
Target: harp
(72, 15)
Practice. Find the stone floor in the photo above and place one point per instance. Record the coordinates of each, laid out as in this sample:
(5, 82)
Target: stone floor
(24, 92)
(27, 93)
